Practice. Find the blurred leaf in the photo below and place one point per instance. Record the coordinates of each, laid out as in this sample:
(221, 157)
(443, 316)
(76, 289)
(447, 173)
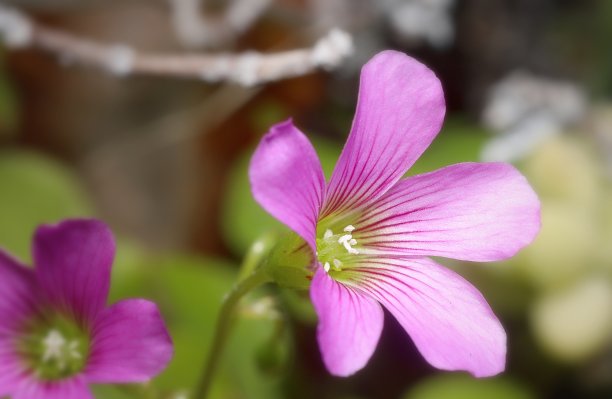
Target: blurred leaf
(34, 190)
(461, 386)
(243, 219)
(505, 290)
(189, 291)
(564, 248)
(458, 141)
(566, 168)
(267, 114)
(111, 392)
(575, 323)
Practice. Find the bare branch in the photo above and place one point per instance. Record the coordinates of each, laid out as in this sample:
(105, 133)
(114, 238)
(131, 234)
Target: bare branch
(248, 68)
(195, 29)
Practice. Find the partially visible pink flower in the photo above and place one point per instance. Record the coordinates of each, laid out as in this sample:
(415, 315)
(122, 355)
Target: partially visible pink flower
(56, 333)
(372, 232)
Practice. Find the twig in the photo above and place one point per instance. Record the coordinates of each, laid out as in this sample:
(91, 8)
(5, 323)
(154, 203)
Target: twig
(248, 68)
(195, 29)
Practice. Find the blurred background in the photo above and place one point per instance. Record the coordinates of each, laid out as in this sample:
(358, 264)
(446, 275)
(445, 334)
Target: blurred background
(163, 160)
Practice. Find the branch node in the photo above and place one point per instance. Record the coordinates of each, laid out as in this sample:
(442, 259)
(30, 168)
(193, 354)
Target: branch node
(15, 28)
(120, 60)
(330, 50)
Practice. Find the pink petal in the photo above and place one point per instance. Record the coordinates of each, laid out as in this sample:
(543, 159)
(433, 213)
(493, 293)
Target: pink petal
(73, 264)
(447, 318)
(12, 372)
(18, 299)
(73, 388)
(18, 302)
(469, 211)
(399, 112)
(349, 324)
(287, 179)
(130, 343)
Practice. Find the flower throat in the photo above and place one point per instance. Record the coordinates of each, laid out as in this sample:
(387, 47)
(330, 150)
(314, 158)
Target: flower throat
(54, 349)
(334, 250)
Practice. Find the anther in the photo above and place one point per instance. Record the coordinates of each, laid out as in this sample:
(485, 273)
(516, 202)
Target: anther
(344, 238)
(328, 234)
(53, 344)
(347, 240)
(349, 228)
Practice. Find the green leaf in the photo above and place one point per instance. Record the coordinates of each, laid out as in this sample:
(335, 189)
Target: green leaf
(189, 291)
(462, 386)
(34, 190)
(459, 141)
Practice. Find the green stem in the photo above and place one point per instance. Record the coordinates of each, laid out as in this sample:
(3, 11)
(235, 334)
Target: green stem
(224, 323)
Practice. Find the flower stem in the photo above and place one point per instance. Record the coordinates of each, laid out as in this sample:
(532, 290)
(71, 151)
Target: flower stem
(257, 277)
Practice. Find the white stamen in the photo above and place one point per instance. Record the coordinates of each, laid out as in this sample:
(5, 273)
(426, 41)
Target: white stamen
(350, 250)
(337, 264)
(347, 240)
(328, 234)
(54, 344)
(344, 238)
(349, 228)
(326, 267)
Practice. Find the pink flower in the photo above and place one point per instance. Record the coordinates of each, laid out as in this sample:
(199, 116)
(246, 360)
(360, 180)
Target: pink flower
(372, 231)
(56, 333)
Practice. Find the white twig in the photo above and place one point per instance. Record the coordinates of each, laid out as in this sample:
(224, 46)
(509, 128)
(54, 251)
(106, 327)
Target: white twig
(15, 28)
(195, 29)
(248, 68)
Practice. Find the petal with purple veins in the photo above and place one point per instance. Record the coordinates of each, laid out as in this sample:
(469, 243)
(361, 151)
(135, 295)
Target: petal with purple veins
(287, 179)
(471, 211)
(18, 298)
(72, 388)
(73, 261)
(349, 327)
(18, 302)
(399, 112)
(449, 321)
(129, 344)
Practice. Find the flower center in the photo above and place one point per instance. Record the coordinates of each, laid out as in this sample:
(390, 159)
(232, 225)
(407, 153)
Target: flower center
(54, 349)
(334, 250)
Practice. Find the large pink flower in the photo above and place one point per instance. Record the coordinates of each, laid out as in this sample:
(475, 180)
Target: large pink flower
(372, 231)
(56, 333)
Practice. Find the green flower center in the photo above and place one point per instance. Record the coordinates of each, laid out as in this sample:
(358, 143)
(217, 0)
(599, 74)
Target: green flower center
(335, 250)
(54, 348)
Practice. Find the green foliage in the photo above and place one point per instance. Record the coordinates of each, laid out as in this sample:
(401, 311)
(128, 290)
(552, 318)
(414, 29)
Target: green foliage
(189, 291)
(461, 386)
(458, 141)
(34, 190)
